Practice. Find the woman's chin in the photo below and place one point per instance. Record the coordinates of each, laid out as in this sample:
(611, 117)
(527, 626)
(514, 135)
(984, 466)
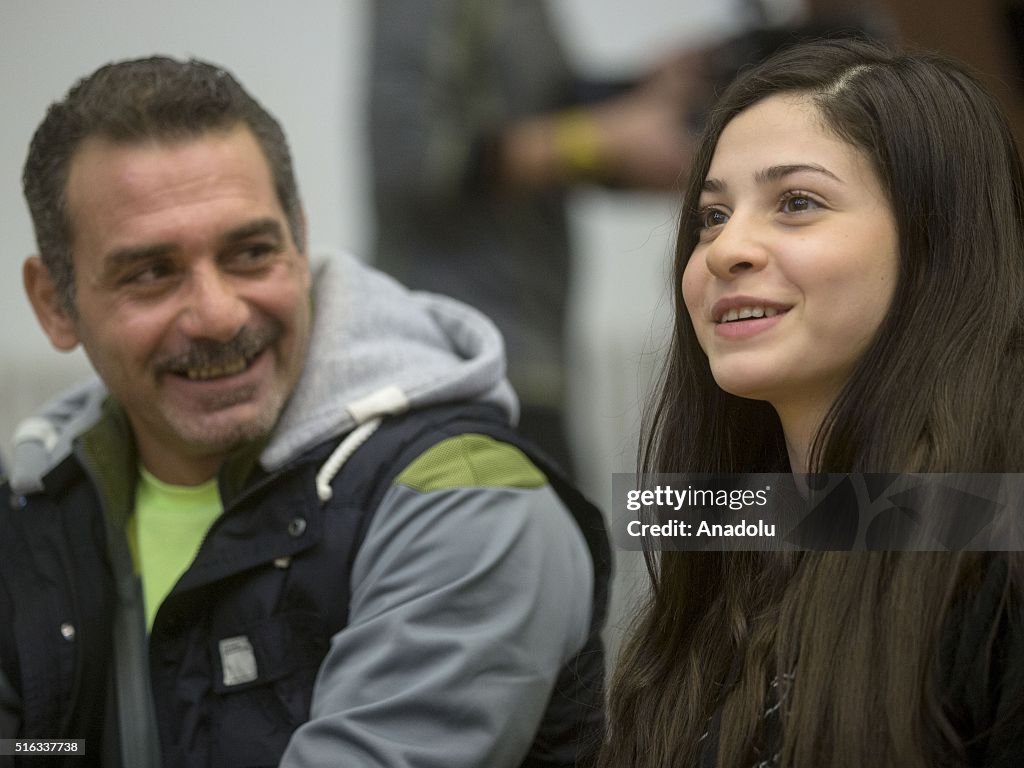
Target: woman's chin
(746, 387)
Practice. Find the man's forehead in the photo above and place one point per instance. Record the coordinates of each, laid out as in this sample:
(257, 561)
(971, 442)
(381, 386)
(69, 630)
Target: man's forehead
(103, 143)
(131, 164)
(112, 181)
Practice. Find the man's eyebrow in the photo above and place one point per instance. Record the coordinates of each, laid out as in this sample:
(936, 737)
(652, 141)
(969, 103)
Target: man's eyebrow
(772, 173)
(122, 258)
(266, 227)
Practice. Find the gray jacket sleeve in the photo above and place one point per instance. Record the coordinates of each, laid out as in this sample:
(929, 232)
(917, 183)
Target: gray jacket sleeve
(465, 604)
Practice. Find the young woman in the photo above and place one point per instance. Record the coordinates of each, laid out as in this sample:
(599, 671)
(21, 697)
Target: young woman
(850, 298)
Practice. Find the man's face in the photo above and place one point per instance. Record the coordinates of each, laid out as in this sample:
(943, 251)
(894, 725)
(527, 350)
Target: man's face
(192, 297)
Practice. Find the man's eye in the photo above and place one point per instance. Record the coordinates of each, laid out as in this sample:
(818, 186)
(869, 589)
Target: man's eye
(711, 217)
(254, 255)
(258, 251)
(146, 275)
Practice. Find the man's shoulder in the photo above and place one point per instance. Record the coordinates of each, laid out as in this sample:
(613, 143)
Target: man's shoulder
(466, 470)
(471, 459)
(441, 447)
(45, 439)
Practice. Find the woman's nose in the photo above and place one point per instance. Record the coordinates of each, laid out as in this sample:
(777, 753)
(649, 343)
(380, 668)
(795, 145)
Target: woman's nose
(737, 248)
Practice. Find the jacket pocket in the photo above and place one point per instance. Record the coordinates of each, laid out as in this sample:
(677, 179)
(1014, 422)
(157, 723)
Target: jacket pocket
(263, 678)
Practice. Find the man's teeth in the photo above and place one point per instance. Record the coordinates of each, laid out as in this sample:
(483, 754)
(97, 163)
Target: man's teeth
(216, 371)
(745, 313)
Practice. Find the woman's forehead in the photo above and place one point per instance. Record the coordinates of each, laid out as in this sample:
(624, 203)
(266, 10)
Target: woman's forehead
(783, 131)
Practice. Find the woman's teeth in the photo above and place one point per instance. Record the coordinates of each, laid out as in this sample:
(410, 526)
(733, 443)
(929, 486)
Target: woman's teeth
(745, 313)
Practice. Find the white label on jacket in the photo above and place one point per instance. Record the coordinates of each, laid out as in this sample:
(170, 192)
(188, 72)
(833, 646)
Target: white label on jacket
(237, 660)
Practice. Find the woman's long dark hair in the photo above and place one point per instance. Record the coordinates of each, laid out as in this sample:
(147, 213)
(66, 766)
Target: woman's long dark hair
(938, 390)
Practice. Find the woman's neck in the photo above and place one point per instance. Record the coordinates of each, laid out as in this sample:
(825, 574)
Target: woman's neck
(800, 424)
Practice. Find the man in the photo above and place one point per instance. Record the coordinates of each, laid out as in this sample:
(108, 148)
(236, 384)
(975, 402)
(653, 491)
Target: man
(291, 527)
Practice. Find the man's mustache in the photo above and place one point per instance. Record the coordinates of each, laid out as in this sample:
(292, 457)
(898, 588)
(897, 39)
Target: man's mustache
(207, 353)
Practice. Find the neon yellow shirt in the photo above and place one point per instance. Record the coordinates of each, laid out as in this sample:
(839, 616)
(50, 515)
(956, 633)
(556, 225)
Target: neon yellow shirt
(166, 530)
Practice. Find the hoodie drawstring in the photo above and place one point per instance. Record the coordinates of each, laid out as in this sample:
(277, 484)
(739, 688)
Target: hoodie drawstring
(369, 412)
(340, 455)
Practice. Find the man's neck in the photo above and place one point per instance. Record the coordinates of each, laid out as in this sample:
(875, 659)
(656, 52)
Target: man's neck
(180, 470)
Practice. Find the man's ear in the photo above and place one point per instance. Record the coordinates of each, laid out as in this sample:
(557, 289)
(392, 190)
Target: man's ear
(304, 251)
(57, 322)
(303, 232)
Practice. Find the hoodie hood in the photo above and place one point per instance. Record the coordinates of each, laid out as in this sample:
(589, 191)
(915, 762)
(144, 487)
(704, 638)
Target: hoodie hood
(378, 349)
(375, 349)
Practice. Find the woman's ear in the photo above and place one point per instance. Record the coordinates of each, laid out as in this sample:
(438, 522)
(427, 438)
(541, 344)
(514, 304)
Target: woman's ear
(55, 319)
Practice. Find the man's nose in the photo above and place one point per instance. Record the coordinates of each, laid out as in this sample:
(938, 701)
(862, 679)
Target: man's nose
(739, 247)
(213, 308)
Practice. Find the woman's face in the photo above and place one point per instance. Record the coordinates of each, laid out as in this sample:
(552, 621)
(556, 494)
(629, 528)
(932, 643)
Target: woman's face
(797, 257)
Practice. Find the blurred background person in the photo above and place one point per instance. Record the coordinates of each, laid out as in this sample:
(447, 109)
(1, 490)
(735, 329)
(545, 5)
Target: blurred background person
(478, 127)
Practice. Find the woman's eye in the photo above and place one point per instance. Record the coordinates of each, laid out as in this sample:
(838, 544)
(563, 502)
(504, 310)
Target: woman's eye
(797, 202)
(711, 217)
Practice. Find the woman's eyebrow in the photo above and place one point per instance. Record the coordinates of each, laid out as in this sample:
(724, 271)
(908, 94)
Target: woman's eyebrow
(713, 185)
(777, 172)
(772, 174)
